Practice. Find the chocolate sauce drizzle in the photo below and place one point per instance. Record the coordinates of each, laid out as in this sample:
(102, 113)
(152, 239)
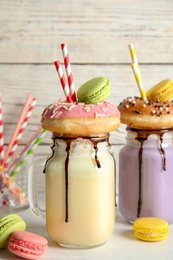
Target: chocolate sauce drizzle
(142, 136)
(66, 179)
(96, 157)
(140, 180)
(52, 155)
(162, 152)
(94, 140)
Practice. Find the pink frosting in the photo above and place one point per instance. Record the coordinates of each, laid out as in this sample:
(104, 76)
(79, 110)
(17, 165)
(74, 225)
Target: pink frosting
(80, 110)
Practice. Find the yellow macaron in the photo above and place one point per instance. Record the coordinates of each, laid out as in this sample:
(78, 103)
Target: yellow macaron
(150, 229)
(162, 91)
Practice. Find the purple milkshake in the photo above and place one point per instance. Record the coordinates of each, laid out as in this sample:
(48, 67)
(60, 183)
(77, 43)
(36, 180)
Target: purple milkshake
(145, 164)
(146, 175)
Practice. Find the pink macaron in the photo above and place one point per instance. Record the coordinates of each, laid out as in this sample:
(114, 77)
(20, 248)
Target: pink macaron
(27, 245)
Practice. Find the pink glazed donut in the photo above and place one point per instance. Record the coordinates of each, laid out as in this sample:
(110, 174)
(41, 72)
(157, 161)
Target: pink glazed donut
(78, 119)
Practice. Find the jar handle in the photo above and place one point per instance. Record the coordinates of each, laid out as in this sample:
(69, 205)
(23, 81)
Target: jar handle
(32, 188)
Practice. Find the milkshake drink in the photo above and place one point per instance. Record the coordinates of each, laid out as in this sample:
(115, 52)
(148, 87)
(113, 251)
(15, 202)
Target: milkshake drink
(80, 201)
(145, 161)
(80, 172)
(146, 174)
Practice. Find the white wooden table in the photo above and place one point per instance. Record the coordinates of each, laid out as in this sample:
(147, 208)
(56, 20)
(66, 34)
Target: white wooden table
(121, 246)
(97, 34)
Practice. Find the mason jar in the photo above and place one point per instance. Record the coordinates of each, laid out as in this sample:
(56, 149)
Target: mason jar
(146, 174)
(14, 188)
(80, 191)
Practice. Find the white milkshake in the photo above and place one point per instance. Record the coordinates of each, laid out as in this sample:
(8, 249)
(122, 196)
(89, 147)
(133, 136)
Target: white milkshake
(80, 203)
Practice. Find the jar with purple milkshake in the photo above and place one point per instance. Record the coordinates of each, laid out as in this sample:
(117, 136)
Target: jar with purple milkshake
(146, 160)
(146, 174)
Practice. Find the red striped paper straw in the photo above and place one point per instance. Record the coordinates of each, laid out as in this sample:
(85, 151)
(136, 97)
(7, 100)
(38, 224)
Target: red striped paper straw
(68, 71)
(25, 150)
(63, 81)
(20, 120)
(2, 154)
(21, 130)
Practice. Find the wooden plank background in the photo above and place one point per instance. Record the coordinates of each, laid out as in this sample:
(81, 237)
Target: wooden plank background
(97, 34)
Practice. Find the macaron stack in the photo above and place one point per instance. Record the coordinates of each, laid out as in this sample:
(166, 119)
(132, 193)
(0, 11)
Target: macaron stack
(8, 225)
(20, 242)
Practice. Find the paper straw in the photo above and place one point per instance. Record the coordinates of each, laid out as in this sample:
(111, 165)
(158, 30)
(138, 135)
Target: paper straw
(2, 153)
(31, 141)
(10, 184)
(25, 150)
(1, 179)
(21, 130)
(20, 120)
(63, 81)
(68, 71)
(133, 53)
(30, 151)
(138, 78)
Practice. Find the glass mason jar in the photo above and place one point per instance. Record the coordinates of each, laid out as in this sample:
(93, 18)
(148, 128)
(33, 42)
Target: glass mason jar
(80, 191)
(146, 174)
(14, 189)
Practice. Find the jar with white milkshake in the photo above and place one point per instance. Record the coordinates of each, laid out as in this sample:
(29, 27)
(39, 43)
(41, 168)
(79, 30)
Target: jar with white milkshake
(79, 174)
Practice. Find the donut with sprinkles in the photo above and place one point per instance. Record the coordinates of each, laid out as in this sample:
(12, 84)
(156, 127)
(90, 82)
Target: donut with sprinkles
(147, 114)
(79, 119)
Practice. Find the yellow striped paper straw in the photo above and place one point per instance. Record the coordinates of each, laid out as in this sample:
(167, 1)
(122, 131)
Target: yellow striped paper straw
(138, 78)
(133, 53)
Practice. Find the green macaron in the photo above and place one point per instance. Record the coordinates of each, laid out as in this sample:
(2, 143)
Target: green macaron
(8, 225)
(94, 91)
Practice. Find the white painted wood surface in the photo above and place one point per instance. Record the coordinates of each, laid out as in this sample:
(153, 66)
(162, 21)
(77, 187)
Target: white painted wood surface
(97, 34)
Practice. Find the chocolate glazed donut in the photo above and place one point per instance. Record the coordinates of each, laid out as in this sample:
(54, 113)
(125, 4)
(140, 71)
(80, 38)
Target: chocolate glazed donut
(147, 114)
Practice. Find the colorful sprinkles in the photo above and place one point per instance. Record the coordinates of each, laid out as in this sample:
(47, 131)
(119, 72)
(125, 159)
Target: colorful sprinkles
(63, 109)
